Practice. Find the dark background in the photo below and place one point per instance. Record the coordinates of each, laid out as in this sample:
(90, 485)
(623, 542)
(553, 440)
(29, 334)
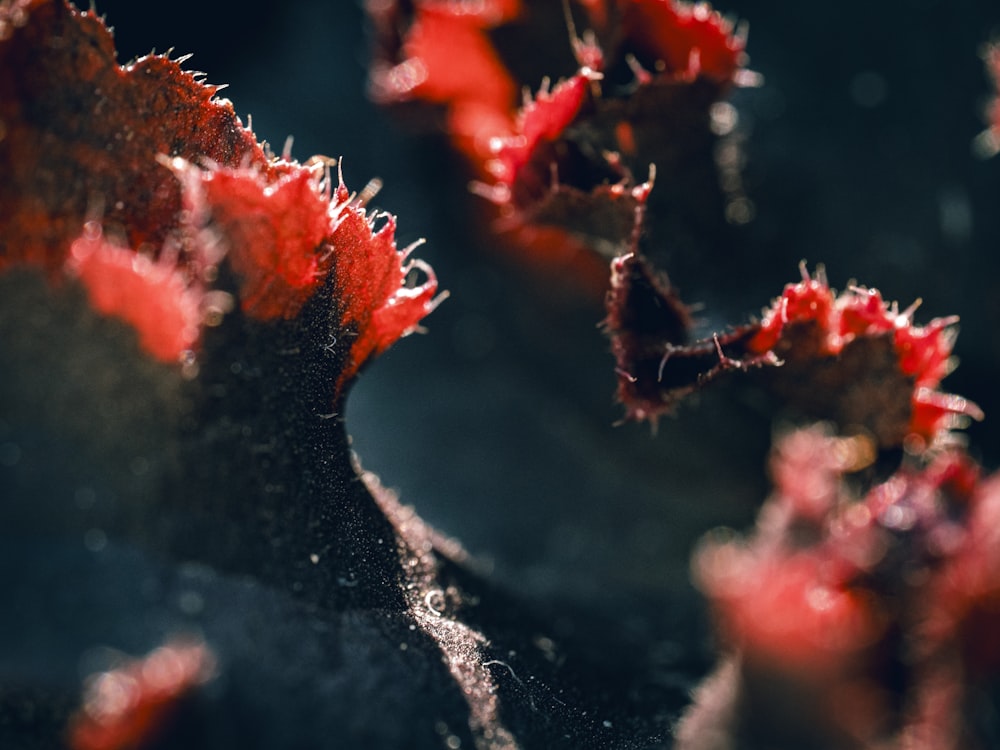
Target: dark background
(498, 426)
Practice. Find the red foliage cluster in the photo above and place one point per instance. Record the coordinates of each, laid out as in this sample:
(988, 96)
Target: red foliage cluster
(851, 358)
(864, 615)
(681, 40)
(141, 184)
(865, 618)
(560, 170)
(153, 296)
(127, 707)
(922, 353)
(81, 135)
(679, 43)
(440, 52)
(289, 231)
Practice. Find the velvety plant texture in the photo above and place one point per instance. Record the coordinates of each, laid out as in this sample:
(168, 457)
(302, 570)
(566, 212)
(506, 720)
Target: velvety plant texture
(499, 374)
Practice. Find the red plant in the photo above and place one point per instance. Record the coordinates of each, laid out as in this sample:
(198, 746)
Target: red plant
(174, 186)
(420, 42)
(561, 170)
(850, 358)
(129, 706)
(855, 620)
(241, 293)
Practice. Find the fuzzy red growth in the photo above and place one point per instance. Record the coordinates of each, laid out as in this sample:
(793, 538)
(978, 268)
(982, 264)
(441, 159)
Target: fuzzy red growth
(128, 707)
(682, 40)
(272, 227)
(152, 296)
(447, 58)
(108, 183)
(370, 279)
(833, 590)
(923, 352)
(544, 118)
(81, 134)
(810, 300)
(84, 189)
(286, 235)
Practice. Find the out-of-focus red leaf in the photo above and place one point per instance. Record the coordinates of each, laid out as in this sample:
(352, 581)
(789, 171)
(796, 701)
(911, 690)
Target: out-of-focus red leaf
(568, 163)
(835, 596)
(544, 118)
(441, 53)
(682, 40)
(589, 136)
(127, 707)
(153, 296)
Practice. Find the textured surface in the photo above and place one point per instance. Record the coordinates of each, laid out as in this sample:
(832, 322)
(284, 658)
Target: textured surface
(497, 426)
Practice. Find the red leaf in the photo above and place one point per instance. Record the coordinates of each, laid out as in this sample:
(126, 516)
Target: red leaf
(81, 134)
(271, 228)
(286, 235)
(682, 40)
(544, 118)
(445, 57)
(834, 594)
(150, 295)
(89, 147)
(850, 358)
(564, 165)
(127, 707)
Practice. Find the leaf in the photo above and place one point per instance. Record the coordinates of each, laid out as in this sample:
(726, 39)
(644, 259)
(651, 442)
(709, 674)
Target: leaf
(850, 358)
(440, 52)
(103, 185)
(568, 164)
(81, 134)
(836, 594)
(287, 233)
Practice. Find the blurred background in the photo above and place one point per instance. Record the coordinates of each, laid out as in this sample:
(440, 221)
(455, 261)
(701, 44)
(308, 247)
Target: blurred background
(499, 425)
